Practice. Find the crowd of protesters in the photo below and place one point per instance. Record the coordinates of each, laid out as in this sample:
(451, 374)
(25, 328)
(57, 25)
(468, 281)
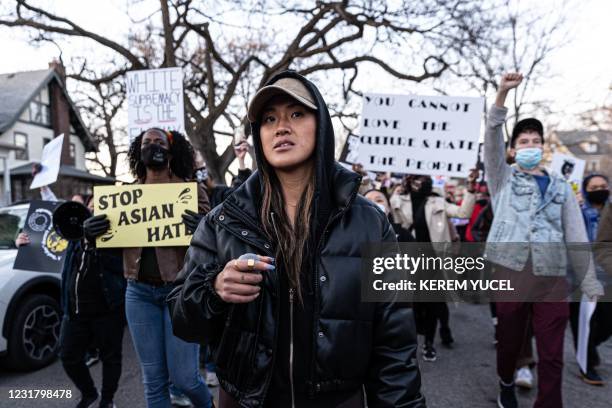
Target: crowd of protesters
(269, 289)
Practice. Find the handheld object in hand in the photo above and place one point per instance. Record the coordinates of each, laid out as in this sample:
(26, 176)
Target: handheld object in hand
(68, 220)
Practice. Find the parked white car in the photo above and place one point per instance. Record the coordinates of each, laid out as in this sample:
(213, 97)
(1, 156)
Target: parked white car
(30, 314)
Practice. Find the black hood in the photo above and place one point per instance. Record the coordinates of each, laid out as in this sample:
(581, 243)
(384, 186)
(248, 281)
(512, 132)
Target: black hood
(325, 166)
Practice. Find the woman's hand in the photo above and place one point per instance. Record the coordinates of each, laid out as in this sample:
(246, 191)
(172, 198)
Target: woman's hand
(240, 150)
(471, 180)
(579, 198)
(36, 168)
(22, 239)
(239, 281)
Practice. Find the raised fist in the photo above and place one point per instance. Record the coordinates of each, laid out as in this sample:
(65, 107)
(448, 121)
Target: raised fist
(510, 80)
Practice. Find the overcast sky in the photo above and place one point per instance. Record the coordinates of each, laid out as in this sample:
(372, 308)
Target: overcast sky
(583, 68)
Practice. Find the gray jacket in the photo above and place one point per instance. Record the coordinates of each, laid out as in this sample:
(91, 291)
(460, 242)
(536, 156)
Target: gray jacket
(523, 218)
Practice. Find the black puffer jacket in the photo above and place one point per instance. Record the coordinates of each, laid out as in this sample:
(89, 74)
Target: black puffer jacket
(354, 343)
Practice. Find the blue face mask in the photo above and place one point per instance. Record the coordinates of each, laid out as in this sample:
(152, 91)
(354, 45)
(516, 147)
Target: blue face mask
(529, 157)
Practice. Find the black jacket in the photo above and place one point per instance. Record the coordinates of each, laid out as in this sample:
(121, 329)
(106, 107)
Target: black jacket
(107, 263)
(354, 343)
(221, 192)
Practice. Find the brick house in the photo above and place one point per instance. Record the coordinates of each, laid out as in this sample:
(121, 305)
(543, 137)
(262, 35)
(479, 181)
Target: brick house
(34, 108)
(593, 146)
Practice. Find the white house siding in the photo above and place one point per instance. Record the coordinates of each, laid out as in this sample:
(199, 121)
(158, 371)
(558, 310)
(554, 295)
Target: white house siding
(79, 159)
(36, 135)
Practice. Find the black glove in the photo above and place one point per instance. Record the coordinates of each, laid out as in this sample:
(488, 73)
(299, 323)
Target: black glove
(192, 220)
(95, 226)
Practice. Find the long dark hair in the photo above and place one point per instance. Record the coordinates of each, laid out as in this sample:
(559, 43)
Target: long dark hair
(292, 241)
(182, 162)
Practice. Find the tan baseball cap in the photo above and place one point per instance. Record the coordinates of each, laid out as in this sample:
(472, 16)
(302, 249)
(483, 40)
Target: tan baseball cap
(288, 86)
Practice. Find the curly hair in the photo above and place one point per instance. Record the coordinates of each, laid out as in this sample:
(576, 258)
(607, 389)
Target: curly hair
(182, 162)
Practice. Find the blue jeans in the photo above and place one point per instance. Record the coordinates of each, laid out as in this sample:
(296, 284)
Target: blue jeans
(164, 358)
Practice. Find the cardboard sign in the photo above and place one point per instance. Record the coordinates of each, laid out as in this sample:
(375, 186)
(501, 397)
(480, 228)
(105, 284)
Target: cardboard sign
(143, 215)
(569, 167)
(50, 162)
(155, 99)
(45, 252)
(433, 135)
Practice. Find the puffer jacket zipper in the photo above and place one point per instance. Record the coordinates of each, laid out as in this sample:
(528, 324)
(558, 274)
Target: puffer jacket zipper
(291, 295)
(76, 293)
(316, 313)
(76, 285)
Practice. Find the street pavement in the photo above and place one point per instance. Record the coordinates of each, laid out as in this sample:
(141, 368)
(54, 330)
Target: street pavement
(462, 377)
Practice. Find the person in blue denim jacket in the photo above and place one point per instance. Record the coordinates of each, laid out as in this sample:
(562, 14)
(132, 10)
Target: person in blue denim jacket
(536, 216)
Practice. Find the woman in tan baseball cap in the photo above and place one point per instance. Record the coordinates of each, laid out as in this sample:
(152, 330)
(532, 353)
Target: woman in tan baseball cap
(272, 280)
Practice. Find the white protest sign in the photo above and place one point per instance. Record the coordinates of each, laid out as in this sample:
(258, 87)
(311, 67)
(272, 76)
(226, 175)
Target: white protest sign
(155, 99)
(569, 167)
(433, 135)
(587, 308)
(50, 163)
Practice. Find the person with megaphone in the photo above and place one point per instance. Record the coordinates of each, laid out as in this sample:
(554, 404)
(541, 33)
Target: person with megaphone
(93, 292)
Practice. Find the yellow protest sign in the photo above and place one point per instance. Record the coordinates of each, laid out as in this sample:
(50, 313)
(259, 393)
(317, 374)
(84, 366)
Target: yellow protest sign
(144, 215)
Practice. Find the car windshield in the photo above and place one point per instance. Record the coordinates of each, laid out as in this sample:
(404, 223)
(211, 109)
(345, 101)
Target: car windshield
(11, 222)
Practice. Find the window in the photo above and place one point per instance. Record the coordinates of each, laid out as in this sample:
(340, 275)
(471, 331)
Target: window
(589, 147)
(593, 166)
(72, 151)
(39, 113)
(21, 140)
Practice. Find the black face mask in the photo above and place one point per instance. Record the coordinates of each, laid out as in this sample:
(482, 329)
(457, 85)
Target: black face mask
(598, 196)
(154, 156)
(424, 189)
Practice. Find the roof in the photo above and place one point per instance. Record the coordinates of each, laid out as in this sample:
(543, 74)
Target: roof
(573, 141)
(65, 170)
(19, 88)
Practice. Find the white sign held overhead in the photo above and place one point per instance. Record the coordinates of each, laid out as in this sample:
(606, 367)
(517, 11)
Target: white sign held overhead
(155, 99)
(569, 167)
(433, 135)
(50, 163)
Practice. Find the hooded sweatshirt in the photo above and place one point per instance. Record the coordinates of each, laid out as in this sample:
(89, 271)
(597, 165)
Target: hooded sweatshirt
(279, 394)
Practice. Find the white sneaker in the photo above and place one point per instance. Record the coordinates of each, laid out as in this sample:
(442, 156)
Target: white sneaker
(212, 380)
(524, 378)
(180, 400)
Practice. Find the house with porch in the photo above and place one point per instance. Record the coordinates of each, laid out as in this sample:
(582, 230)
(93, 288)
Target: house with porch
(34, 108)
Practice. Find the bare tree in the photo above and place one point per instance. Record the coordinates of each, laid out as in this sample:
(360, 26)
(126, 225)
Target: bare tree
(102, 103)
(600, 117)
(520, 40)
(228, 49)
